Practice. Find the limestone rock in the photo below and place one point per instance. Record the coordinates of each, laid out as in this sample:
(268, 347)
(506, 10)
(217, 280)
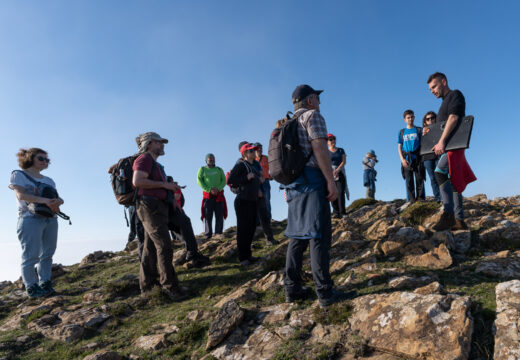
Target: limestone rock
(151, 342)
(228, 318)
(438, 258)
(243, 293)
(4, 284)
(408, 234)
(272, 280)
(506, 268)
(326, 334)
(89, 318)
(196, 315)
(301, 319)
(383, 228)
(409, 282)
(507, 334)
(165, 328)
(432, 288)
(132, 246)
(432, 327)
(179, 257)
(274, 314)
(504, 235)
(104, 355)
(93, 296)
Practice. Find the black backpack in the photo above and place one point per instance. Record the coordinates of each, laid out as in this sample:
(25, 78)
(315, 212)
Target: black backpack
(121, 179)
(286, 157)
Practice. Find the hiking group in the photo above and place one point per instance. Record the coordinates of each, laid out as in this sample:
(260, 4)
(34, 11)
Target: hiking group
(303, 158)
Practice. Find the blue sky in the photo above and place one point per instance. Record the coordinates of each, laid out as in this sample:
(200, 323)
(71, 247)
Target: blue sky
(82, 79)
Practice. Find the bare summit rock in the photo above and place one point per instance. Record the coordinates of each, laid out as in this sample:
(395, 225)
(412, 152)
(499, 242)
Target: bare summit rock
(433, 327)
(507, 334)
(501, 267)
(228, 318)
(243, 293)
(438, 258)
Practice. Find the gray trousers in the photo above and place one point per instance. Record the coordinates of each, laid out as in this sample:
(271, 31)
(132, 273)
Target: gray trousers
(451, 199)
(320, 259)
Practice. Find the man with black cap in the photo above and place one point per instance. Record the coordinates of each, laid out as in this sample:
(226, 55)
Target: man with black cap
(152, 208)
(308, 220)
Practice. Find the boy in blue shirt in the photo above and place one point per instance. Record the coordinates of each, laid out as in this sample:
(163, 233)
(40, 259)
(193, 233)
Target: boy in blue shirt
(408, 147)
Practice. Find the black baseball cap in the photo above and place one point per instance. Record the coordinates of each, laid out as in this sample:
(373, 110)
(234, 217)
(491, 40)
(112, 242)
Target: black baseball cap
(302, 91)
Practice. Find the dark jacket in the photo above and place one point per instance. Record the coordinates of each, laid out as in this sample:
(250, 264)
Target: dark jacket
(248, 189)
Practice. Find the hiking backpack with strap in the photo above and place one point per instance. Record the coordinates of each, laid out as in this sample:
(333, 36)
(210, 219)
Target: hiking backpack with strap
(121, 179)
(286, 157)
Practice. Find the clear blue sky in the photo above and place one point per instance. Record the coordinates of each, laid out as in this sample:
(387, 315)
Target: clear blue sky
(81, 79)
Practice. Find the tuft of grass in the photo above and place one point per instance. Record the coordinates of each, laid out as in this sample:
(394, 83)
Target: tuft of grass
(420, 211)
(337, 314)
(34, 316)
(359, 203)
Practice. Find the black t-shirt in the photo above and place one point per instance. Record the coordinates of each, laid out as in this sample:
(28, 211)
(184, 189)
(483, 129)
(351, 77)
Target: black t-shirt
(337, 157)
(453, 103)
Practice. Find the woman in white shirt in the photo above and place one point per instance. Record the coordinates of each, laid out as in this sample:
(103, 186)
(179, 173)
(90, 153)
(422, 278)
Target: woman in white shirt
(37, 234)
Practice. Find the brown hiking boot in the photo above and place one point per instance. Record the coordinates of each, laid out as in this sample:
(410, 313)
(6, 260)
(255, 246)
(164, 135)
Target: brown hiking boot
(459, 225)
(176, 294)
(446, 221)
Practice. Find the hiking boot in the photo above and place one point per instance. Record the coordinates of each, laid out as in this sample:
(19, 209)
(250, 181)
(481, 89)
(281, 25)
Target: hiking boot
(302, 294)
(336, 296)
(446, 221)
(177, 294)
(35, 291)
(253, 259)
(245, 262)
(459, 225)
(47, 288)
(271, 241)
(197, 259)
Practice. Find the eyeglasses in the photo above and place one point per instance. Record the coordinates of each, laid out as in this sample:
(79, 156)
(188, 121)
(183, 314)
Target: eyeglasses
(41, 158)
(332, 139)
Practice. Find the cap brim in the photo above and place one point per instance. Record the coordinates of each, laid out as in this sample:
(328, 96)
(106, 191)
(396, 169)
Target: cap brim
(318, 91)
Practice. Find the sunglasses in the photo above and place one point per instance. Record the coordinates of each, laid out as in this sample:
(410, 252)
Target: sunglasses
(250, 150)
(429, 118)
(41, 158)
(332, 139)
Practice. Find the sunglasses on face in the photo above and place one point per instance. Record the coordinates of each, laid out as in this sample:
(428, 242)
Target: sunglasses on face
(41, 158)
(430, 119)
(332, 139)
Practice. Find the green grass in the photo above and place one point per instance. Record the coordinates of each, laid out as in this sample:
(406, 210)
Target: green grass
(359, 203)
(420, 211)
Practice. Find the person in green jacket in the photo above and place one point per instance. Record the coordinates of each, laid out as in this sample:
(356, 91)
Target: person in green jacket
(212, 180)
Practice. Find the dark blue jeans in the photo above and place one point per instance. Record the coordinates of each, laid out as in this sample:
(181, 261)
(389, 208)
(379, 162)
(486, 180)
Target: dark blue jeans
(451, 199)
(430, 166)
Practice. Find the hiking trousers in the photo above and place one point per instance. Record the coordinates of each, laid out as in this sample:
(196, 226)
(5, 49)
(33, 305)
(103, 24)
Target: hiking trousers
(415, 192)
(265, 219)
(212, 206)
(451, 199)
(157, 256)
(180, 224)
(338, 205)
(246, 212)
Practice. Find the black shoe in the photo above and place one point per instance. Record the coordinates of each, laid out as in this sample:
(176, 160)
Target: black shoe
(271, 241)
(303, 294)
(253, 259)
(198, 260)
(35, 291)
(47, 288)
(336, 296)
(176, 294)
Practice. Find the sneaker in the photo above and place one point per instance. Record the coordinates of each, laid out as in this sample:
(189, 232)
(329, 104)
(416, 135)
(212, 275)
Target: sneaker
(177, 294)
(302, 294)
(336, 296)
(459, 225)
(35, 291)
(446, 221)
(47, 288)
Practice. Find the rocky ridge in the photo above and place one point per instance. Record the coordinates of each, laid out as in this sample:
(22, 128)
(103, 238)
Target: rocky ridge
(421, 295)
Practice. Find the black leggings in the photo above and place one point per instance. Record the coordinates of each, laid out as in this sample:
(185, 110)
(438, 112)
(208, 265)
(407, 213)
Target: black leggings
(246, 212)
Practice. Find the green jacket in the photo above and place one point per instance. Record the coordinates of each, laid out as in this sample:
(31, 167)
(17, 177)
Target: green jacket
(208, 178)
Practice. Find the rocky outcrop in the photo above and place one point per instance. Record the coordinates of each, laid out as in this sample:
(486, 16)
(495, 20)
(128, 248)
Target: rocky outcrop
(434, 327)
(507, 332)
(227, 319)
(438, 258)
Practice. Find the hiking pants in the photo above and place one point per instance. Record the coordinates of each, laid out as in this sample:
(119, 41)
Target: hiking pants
(415, 170)
(211, 206)
(338, 206)
(38, 237)
(180, 224)
(246, 212)
(451, 199)
(265, 219)
(157, 253)
(308, 223)
(430, 166)
(266, 189)
(136, 229)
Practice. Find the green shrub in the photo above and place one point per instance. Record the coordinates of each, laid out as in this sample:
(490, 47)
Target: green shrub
(359, 203)
(420, 211)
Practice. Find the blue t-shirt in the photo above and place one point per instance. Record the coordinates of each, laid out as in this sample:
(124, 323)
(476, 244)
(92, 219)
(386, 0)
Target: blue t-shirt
(336, 157)
(411, 141)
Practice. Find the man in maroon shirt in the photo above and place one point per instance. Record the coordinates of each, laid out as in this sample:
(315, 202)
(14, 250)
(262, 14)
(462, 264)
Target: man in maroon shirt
(152, 209)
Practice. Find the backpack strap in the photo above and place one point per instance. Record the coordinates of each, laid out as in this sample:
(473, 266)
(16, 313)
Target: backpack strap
(30, 178)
